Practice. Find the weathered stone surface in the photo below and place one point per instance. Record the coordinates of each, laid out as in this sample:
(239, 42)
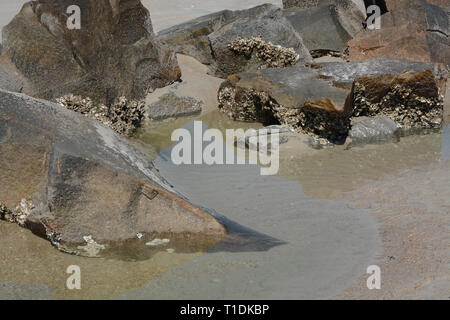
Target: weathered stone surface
(372, 130)
(395, 4)
(10, 78)
(171, 106)
(412, 99)
(83, 179)
(344, 74)
(208, 38)
(306, 4)
(321, 100)
(269, 25)
(191, 38)
(293, 96)
(115, 53)
(414, 30)
(327, 28)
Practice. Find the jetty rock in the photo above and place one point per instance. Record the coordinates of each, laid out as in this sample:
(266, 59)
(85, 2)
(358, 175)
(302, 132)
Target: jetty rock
(210, 39)
(327, 26)
(114, 52)
(68, 178)
(416, 30)
(321, 99)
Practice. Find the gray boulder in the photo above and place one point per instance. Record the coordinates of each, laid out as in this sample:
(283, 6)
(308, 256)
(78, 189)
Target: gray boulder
(172, 106)
(191, 38)
(208, 38)
(270, 26)
(114, 53)
(372, 130)
(84, 187)
(326, 29)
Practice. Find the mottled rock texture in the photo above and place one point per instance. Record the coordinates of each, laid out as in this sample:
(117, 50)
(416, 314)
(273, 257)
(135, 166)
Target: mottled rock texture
(414, 30)
(208, 38)
(86, 180)
(306, 4)
(372, 130)
(321, 100)
(113, 54)
(172, 106)
(327, 28)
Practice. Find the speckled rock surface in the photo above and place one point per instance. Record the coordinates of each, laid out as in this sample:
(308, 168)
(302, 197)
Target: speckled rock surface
(413, 30)
(321, 100)
(327, 28)
(113, 54)
(122, 116)
(171, 106)
(372, 130)
(208, 38)
(85, 180)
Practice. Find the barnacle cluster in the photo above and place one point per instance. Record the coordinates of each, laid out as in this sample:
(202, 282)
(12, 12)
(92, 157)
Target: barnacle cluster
(123, 116)
(273, 56)
(19, 214)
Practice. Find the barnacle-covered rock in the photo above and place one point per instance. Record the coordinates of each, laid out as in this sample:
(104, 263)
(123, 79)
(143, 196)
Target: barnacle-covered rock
(321, 100)
(207, 38)
(270, 55)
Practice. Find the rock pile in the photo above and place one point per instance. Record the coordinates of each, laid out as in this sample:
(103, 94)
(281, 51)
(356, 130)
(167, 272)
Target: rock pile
(122, 116)
(270, 55)
(323, 28)
(322, 101)
(207, 38)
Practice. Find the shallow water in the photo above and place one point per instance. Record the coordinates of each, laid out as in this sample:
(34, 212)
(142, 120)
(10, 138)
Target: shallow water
(327, 244)
(292, 236)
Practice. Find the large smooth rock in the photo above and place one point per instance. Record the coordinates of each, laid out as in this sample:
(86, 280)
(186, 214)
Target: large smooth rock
(327, 27)
(191, 37)
(78, 182)
(208, 38)
(414, 30)
(114, 53)
(321, 100)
